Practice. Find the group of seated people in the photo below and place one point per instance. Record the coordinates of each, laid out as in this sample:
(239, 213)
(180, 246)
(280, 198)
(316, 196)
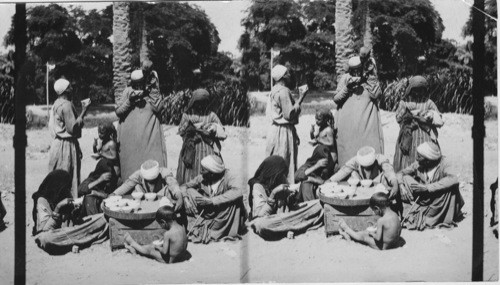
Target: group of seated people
(211, 205)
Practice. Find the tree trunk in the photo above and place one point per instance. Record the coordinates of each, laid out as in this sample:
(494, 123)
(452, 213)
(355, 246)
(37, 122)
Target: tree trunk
(121, 48)
(367, 38)
(344, 42)
(143, 49)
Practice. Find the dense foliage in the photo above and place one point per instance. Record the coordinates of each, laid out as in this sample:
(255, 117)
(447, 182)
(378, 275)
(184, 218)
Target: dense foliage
(7, 111)
(303, 32)
(449, 88)
(403, 31)
(77, 42)
(490, 42)
(229, 101)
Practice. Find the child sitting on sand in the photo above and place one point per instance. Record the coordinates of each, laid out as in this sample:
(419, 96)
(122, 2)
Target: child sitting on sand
(388, 231)
(173, 247)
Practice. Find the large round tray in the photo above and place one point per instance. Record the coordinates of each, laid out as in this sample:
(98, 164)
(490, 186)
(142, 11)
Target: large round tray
(147, 211)
(355, 201)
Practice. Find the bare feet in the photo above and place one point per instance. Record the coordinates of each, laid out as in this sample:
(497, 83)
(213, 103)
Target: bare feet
(342, 224)
(344, 234)
(342, 227)
(130, 248)
(127, 238)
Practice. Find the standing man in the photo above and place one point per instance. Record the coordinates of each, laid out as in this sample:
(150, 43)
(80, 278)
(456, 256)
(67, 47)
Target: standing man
(66, 128)
(284, 112)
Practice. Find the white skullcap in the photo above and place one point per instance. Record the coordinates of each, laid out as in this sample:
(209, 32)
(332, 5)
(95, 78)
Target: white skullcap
(354, 62)
(213, 163)
(278, 71)
(61, 85)
(366, 156)
(136, 75)
(429, 150)
(150, 169)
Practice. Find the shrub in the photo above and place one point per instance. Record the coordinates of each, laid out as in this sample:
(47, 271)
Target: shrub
(323, 80)
(449, 88)
(7, 110)
(229, 101)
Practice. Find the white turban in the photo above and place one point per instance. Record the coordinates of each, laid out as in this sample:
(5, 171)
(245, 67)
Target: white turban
(354, 62)
(61, 85)
(366, 156)
(213, 163)
(278, 71)
(429, 150)
(150, 170)
(136, 75)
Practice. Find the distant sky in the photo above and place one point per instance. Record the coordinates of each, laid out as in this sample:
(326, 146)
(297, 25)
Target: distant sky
(227, 15)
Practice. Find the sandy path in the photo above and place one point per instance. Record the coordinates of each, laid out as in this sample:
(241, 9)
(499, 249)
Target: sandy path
(431, 255)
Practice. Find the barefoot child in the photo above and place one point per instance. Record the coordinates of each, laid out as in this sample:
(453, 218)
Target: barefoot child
(174, 243)
(388, 231)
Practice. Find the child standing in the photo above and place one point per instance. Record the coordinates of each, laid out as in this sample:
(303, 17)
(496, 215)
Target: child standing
(174, 245)
(388, 230)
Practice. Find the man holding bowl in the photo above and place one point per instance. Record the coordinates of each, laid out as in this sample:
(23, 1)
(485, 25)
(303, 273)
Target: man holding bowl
(152, 178)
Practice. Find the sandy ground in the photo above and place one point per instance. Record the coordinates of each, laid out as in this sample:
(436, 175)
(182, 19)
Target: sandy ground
(431, 255)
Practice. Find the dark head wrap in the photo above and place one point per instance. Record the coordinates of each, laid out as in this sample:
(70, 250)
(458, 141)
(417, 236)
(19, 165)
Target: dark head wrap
(199, 96)
(414, 83)
(54, 188)
(269, 175)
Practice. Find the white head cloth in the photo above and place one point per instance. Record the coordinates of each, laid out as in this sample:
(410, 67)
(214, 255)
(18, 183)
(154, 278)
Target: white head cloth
(136, 75)
(278, 71)
(150, 169)
(213, 163)
(354, 62)
(366, 156)
(61, 85)
(429, 150)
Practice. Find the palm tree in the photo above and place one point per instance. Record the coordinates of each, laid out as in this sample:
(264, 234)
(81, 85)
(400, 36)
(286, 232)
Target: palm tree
(121, 48)
(343, 35)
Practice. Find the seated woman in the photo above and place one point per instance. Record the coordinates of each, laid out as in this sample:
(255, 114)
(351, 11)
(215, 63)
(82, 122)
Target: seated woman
(319, 167)
(153, 178)
(214, 197)
(100, 183)
(274, 212)
(433, 191)
(369, 165)
(53, 216)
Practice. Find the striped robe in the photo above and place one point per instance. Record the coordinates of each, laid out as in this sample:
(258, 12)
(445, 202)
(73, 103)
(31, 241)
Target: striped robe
(419, 135)
(203, 149)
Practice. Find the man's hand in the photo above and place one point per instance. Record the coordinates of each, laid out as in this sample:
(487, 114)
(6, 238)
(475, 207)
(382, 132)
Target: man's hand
(418, 188)
(203, 202)
(394, 191)
(406, 194)
(190, 206)
(178, 205)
